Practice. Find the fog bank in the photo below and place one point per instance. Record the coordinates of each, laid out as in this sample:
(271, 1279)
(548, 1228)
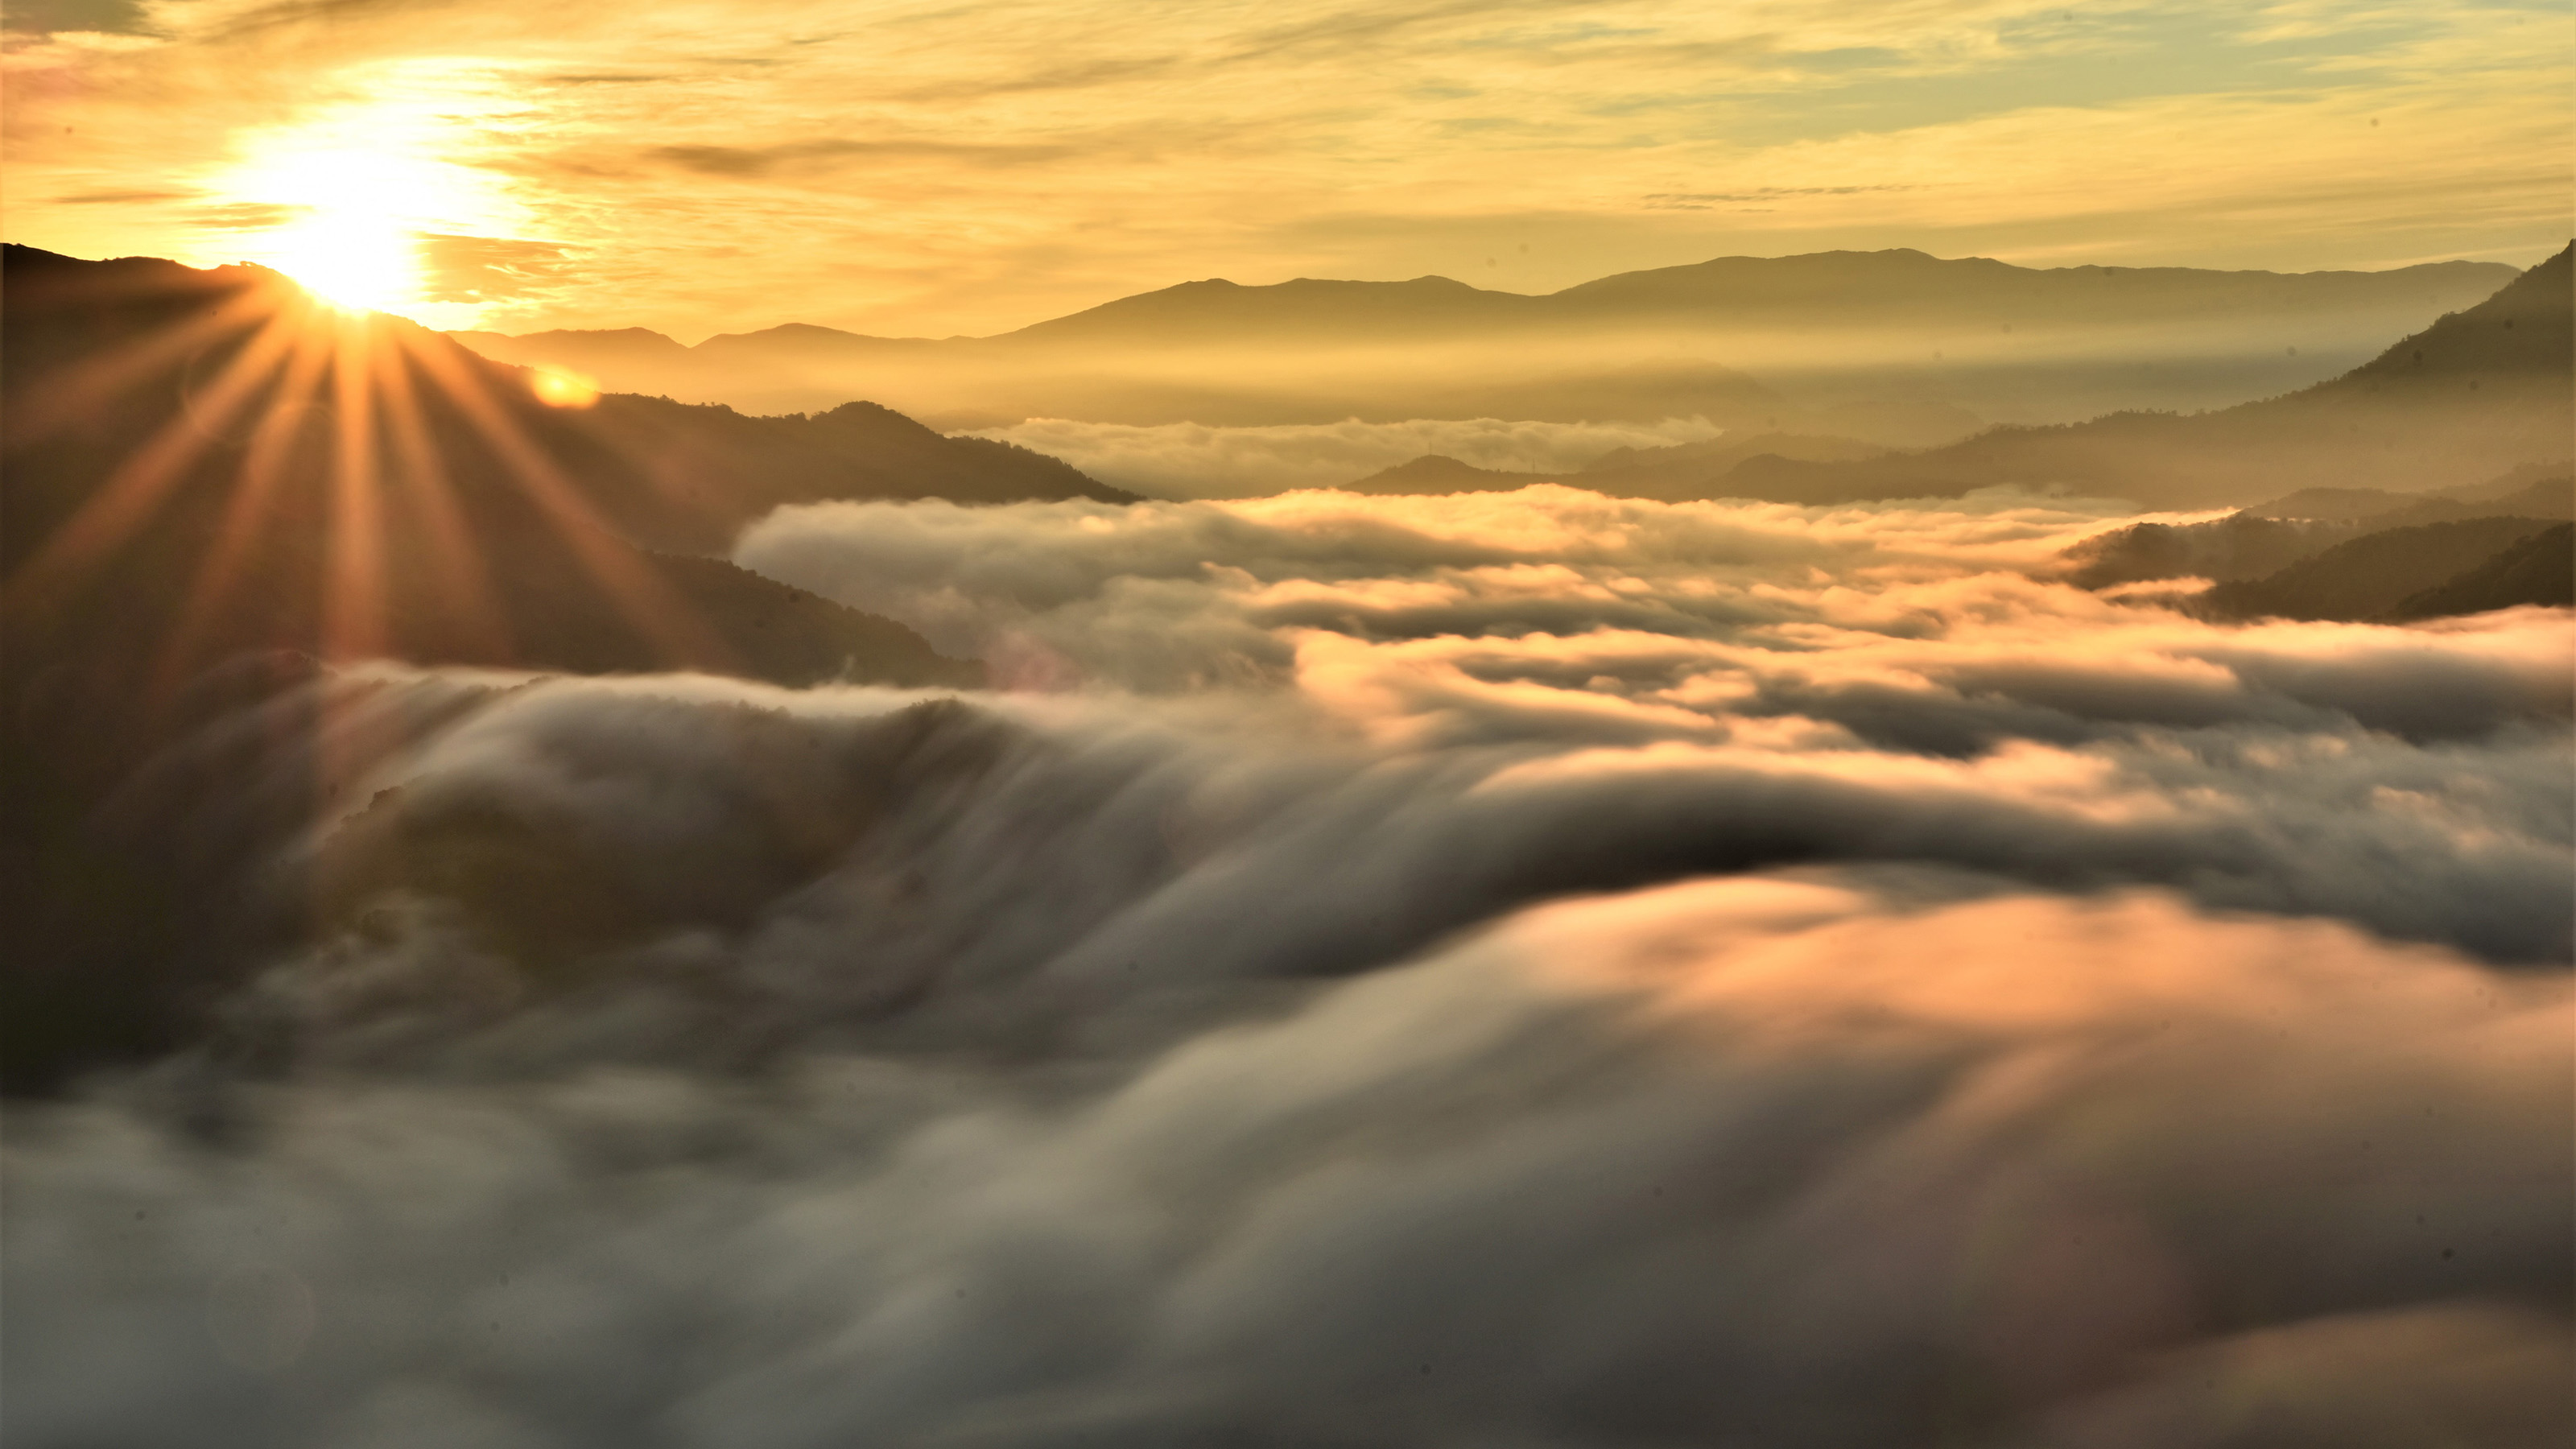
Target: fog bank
(1522, 969)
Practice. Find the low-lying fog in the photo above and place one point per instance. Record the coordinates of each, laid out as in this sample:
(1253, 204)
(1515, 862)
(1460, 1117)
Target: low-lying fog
(1513, 969)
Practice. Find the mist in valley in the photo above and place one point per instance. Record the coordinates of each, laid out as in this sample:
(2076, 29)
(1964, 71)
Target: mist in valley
(1368, 971)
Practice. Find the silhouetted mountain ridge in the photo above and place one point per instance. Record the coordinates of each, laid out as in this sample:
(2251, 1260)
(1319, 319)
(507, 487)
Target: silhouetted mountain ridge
(106, 361)
(2382, 573)
(213, 485)
(2541, 569)
(688, 476)
(2256, 542)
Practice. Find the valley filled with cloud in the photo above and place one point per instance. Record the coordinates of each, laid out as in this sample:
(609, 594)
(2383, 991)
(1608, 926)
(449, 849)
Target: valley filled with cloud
(1516, 967)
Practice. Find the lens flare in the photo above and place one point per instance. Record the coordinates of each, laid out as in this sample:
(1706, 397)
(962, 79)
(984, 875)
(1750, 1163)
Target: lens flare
(561, 387)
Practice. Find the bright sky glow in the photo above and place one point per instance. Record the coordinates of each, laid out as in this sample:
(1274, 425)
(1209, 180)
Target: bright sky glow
(353, 205)
(917, 166)
(343, 199)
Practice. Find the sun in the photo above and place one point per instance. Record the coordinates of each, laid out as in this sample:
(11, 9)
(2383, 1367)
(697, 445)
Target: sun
(353, 261)
(347, 219)
(345, 198)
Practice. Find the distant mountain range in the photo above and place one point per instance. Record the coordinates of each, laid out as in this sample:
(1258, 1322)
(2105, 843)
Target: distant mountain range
(1894, 347)
(1867, 291)
(2480, 392)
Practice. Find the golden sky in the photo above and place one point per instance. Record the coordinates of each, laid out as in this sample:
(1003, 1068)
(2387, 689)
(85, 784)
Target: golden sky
(937, 167)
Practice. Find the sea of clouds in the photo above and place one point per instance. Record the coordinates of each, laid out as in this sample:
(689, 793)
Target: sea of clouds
(1192, 460)
(1513, 969)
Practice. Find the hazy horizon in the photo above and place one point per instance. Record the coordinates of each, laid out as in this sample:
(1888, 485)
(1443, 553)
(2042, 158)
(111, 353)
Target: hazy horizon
(2537, 255)
(1895, 349)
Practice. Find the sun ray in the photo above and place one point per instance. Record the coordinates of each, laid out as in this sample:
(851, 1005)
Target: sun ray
(78, 392)
(263, 469)
(456, 570)
(331, 429)
(353, 591)
(126, 500)
(648, 603)
(654, 465)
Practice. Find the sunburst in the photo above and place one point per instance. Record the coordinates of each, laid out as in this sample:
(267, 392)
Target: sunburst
(351, 192)
(305, 382)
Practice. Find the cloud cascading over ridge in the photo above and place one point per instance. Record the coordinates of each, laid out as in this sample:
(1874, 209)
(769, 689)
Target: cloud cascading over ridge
(1519, 968)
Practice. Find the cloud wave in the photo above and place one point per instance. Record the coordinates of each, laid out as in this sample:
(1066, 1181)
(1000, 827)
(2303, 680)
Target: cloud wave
(1512, 969)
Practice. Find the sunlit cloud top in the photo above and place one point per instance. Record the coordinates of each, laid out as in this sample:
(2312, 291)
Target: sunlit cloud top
(911, 167)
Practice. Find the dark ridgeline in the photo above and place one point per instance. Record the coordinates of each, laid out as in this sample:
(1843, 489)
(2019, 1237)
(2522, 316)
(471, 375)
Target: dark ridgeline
(191, 527)
(2243, 545)
(2404, 573)
(2541, 569)
(104, 357)
(2358, 554)
(2349, 553)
